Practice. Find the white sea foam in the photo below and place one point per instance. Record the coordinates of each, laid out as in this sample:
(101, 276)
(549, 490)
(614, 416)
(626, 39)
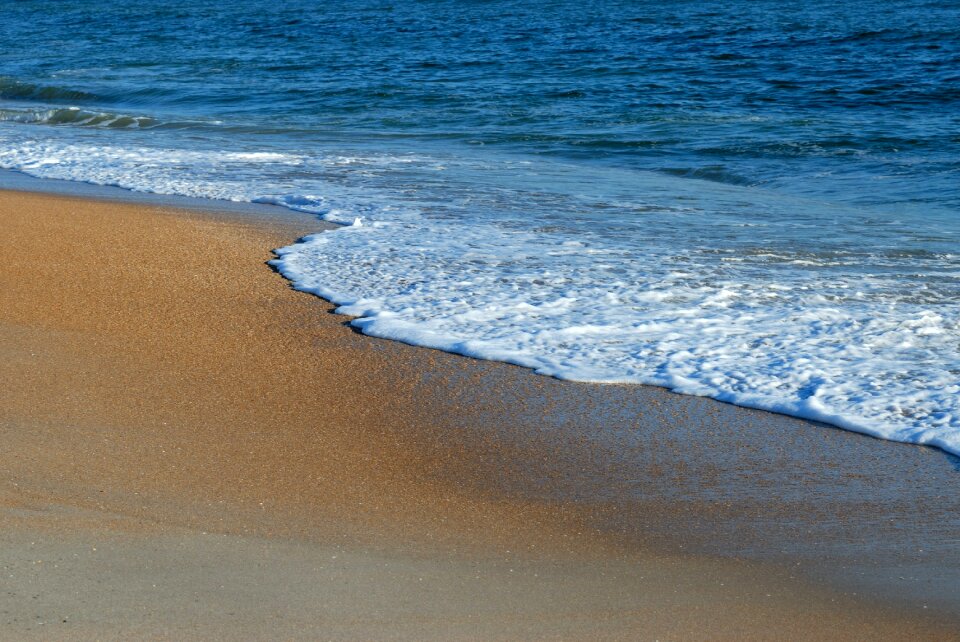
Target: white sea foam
(888, 370)
(721, 292)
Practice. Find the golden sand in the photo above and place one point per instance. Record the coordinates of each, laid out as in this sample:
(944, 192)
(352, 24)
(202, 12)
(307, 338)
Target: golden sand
(190, 449)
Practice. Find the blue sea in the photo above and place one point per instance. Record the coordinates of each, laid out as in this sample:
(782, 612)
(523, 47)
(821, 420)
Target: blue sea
(753, 201)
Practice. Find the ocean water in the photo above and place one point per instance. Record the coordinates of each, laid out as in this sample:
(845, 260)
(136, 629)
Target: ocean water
(749, 201)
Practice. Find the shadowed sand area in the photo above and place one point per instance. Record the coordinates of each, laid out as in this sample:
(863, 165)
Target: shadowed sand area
(193, 450)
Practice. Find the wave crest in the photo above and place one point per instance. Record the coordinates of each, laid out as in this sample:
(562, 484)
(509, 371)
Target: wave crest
(12, 89)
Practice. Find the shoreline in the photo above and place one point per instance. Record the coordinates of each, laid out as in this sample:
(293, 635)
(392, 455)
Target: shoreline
(306, 224)
(260, 416)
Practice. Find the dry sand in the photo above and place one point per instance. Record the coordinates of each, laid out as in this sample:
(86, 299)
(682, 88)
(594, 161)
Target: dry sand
(193, 450)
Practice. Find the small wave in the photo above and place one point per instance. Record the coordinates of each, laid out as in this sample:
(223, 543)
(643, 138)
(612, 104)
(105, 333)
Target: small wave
(715, 173)
(77, 117)
(12, 89)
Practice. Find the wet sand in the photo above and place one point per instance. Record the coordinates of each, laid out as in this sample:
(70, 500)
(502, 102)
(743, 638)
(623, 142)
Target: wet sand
(193, 450)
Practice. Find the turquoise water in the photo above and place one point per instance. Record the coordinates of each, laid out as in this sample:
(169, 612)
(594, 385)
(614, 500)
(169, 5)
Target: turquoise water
(747, 201)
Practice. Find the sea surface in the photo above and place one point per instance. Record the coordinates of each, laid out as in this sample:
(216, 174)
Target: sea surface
(753, 201)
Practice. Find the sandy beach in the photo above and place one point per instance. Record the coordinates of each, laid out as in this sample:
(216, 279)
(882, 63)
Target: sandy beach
(191, 449)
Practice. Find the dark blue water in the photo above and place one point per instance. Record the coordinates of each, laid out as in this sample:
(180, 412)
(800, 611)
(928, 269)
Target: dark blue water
(747, 200)
(856, 101)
